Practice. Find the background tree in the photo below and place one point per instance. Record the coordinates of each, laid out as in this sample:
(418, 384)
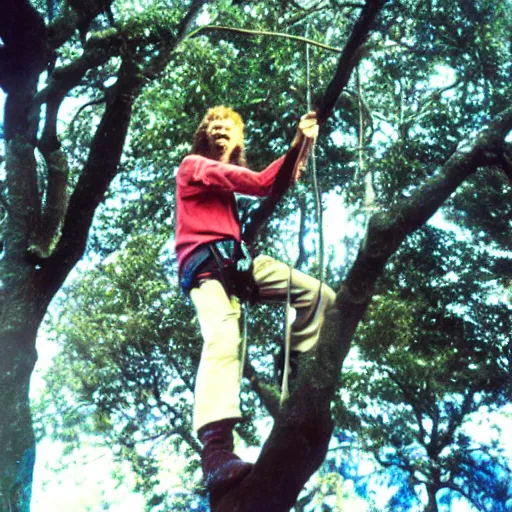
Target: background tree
(431, 361)
(409, 133)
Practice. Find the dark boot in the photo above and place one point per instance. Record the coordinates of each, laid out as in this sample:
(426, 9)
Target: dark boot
(221, 467)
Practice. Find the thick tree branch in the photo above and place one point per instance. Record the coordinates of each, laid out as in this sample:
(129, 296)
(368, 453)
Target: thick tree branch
(74, 18)
(24, 204)
(63, 79)
(352, 52)
(22, 58)
(100, 170)
(47, 232)
(349, 58)
(104, 156)
(189, 17)
(101, 46)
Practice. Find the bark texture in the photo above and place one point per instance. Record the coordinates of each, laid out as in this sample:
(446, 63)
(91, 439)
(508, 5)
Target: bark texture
(45, 232)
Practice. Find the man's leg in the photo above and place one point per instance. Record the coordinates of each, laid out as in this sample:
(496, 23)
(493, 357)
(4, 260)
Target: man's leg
(217, 402)
(218, 377)
(309, 298)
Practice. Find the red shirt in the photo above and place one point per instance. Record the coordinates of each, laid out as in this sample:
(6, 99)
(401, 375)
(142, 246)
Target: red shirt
(205, 200)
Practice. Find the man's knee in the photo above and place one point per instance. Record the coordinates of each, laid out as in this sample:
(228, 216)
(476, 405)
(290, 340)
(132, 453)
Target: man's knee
(328, 295)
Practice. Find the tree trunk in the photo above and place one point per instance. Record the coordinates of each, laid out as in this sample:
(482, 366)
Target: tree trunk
(17, 444)
(20, 316)
(22, 307)
(43, 240)
(432, 502)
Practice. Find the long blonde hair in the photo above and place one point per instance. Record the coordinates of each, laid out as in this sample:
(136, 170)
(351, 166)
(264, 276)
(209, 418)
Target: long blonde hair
(201, 146)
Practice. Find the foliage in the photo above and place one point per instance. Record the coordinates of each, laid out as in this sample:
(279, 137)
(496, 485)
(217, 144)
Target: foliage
(122, 366)
(433, 354)
(435, 346)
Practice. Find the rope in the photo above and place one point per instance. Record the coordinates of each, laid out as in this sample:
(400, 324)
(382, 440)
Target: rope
(243, 348)
(285, 389)
(285, 392)
(316, 188)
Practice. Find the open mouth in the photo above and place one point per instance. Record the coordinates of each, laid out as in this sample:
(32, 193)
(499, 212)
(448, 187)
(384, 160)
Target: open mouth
(221, 142)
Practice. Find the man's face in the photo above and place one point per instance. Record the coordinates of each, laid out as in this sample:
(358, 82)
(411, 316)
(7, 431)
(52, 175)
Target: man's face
(223, 137)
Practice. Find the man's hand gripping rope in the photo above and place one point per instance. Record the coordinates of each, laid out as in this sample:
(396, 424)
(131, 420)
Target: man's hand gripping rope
(305, 138)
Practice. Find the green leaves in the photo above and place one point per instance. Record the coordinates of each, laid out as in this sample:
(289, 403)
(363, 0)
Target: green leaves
(434, 346)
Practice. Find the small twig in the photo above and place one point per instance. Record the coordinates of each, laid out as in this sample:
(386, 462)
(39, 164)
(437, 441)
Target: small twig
(3, 200)
(354, 5)
(267, 393)
(88, 104)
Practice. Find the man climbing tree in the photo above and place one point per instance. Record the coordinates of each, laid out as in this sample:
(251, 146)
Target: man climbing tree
(216, 270)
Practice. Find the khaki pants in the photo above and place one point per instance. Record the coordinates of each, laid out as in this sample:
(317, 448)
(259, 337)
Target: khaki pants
(219, 374)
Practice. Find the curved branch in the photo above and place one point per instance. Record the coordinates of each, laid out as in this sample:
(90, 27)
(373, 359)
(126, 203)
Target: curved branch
(304, 14)
(411, 399)
(353, 5)
(425, 104)
(62, 80)
(69, 21)
(455, 420)
(100, 169)
(219, 28)
(307, 9)
(98, 101)
(506, 164)
(101, 46)
(104, 155)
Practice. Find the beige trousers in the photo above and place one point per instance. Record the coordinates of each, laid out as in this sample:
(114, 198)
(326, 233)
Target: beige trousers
(219, 375)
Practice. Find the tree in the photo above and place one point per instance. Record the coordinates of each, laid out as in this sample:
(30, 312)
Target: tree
(45, 234)
(431, 361)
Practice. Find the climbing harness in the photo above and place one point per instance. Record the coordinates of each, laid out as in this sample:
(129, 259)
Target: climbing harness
(228, 261)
